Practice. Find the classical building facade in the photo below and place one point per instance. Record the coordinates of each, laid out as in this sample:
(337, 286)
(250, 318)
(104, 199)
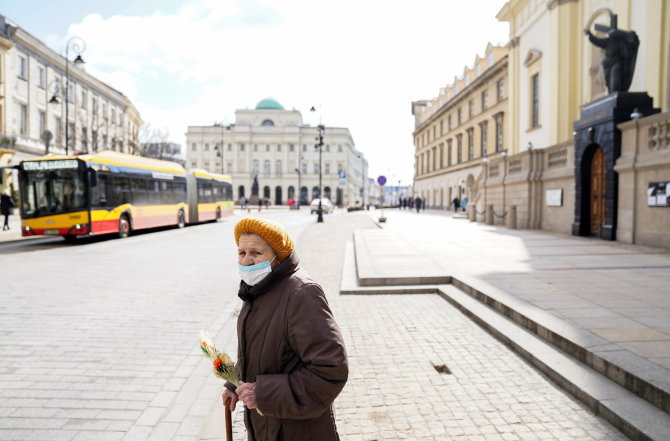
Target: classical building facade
(553, 134)
(33, 102)
(556, 76)
(457, 132)
(273, 147)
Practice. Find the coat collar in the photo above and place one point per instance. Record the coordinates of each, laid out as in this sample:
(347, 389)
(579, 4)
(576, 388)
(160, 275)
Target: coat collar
(285, 268)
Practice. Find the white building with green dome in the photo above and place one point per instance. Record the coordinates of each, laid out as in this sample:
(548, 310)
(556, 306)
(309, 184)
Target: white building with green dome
(273, 145)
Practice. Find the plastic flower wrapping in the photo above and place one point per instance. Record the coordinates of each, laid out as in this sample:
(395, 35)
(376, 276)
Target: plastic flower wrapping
(224, 368)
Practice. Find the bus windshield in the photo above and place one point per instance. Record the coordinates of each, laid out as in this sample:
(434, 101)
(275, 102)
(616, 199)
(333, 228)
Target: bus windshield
(46, 192)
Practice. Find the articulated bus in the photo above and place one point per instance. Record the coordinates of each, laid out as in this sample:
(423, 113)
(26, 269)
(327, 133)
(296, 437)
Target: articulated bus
(209, 196)
(115, 193)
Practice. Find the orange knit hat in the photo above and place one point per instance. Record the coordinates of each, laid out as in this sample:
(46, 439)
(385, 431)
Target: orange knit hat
(273, 233)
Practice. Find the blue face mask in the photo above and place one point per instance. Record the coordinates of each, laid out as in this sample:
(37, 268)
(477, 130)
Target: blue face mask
(253, 274)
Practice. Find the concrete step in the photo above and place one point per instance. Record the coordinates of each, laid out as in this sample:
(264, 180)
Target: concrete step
(635, 417)
(629, 391)
(642, 377)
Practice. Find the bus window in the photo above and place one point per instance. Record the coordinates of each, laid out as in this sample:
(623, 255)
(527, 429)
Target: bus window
(165, 196)
(207, 187)
(139, 191)
(99, 198)
(121, 188)
(55, 191)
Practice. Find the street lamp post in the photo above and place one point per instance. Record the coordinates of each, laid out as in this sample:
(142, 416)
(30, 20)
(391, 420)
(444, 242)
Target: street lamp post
(219, 151)
(77, 45)
(319, 146)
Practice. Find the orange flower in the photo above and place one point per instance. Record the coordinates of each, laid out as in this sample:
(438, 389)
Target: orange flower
(217, 363)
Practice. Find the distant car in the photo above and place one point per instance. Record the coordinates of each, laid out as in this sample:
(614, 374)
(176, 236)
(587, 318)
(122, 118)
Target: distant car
(326, 206)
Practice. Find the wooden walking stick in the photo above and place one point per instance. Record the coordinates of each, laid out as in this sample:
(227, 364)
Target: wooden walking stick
(229, 422)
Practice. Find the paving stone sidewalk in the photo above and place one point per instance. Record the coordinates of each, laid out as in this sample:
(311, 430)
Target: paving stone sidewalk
(617, 291)
(395, 343)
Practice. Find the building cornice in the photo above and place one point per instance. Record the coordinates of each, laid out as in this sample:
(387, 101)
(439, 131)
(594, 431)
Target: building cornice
(6, 44)
(551, 4)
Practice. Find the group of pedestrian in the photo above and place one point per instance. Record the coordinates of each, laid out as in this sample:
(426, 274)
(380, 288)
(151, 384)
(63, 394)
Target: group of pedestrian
(262, 202)
(459, 203)
(410, 203)
(6, 205)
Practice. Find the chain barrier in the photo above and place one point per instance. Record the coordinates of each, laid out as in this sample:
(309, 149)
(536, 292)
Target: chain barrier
(500, 216)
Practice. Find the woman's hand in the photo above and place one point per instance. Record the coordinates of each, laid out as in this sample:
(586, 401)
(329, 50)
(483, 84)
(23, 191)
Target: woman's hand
(233, 398)
(247, 393)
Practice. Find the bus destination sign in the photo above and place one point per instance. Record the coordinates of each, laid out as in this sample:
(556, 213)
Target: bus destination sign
(61, 164)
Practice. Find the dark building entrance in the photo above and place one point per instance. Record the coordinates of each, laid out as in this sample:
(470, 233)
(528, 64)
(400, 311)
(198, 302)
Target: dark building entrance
(597, 147)
(596, 190)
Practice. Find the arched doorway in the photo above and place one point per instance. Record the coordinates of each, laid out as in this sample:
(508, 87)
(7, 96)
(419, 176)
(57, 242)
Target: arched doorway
(278, 198)
(291, 192)
(596, 192)
(240, 191)
(303, 196)
(326, 192)
(315, 193)
(338, 197)
(266, 192)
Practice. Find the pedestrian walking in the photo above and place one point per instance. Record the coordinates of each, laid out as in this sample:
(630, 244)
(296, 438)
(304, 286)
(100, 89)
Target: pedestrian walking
(423, 204)
(6, 205)
(464, 203)
(417, 203)
(456, 203)
(291, 358)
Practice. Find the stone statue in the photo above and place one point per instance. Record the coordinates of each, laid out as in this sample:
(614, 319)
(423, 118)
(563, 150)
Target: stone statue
(254, 186)
(620, 54)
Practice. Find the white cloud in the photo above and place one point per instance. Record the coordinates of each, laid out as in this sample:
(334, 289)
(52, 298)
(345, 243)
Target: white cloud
(363, 62)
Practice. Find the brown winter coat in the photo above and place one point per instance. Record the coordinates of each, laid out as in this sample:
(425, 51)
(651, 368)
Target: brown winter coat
(291, 347)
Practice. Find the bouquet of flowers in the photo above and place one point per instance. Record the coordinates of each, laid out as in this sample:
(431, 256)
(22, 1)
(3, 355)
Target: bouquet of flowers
(224, 368)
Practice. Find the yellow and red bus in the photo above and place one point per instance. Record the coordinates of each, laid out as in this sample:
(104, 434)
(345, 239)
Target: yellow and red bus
(110, 192)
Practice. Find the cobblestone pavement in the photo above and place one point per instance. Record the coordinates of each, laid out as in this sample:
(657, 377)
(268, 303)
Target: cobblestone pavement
(97, 342)
(395, 343)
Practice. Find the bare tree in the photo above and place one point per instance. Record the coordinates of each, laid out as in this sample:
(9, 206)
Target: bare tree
(155, 143)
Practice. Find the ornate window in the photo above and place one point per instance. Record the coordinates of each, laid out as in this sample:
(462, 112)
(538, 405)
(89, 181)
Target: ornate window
(483, 138)
(535, 103)
(471, 143)
(267, 122)
(459, 148)
(499, 132)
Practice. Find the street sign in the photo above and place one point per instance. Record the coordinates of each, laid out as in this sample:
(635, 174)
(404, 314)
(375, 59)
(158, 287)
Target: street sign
(342, 183)
(381, 180)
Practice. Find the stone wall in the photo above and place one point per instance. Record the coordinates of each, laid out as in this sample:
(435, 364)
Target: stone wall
(515, 188)
(645, 158)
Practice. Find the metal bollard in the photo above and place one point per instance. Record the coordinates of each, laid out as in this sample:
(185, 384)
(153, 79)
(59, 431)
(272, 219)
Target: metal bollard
(511, 219)
(489, 215)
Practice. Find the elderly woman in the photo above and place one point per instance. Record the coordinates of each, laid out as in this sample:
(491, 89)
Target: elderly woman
(291, 357)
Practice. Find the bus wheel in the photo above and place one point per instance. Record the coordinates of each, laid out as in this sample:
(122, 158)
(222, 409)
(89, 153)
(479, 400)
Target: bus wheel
(218, 214)
(181, 219)
(69, 238)
(124, 226)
